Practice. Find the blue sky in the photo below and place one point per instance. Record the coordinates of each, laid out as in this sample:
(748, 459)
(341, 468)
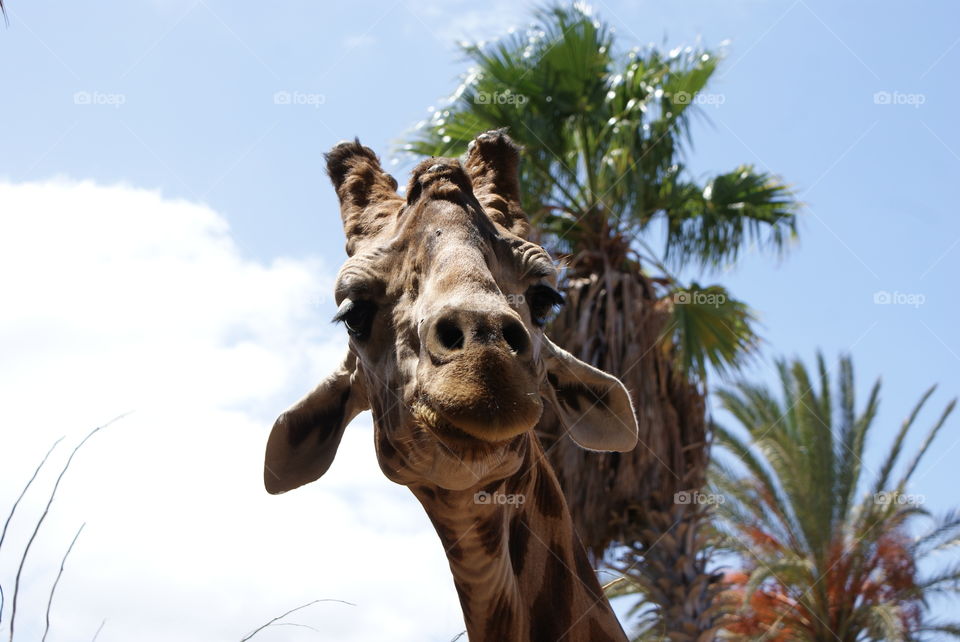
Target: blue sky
(853, 103)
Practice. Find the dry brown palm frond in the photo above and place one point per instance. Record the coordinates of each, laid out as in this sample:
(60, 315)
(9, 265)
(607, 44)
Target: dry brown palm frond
(614, 320)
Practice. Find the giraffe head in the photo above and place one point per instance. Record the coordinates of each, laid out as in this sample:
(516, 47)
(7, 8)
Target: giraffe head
(445, 302)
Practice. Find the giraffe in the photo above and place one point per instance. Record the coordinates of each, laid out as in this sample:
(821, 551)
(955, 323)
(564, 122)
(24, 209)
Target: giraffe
(444, 301)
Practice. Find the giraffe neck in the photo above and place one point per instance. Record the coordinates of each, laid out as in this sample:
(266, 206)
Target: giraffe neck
(519, 568)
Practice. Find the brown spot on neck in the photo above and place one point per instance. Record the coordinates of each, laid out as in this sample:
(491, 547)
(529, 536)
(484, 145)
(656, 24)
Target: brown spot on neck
(550, 612)
(547, 496)
(518, 542)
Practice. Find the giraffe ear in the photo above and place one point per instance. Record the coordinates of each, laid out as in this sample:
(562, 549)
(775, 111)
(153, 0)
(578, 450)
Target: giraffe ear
(593, 406)
(492, 163)
(305, 438)
(368, 195)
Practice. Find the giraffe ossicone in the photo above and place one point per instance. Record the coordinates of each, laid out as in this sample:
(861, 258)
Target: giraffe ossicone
(445, 302)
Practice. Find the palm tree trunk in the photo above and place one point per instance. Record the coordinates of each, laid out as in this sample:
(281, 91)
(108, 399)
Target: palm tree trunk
(612, 321)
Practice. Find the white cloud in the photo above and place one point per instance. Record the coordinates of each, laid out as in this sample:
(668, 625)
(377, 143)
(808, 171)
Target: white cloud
(114, 298)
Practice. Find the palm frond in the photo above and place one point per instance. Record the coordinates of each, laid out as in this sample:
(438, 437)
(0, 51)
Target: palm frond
(944, 534)
(853, 437)
(711, 329)
(951, 629)
(885, 622)
(925, 446)
(712, 225)
(744, 502)
(883, 478)
(947, 579)
(767, 502)
(786, 571)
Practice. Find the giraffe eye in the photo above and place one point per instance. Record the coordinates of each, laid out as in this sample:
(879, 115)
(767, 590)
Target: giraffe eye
(357, 317)
(544, 301)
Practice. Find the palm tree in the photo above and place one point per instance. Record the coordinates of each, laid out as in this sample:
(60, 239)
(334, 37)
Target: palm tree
(824, 540)
(604, 181)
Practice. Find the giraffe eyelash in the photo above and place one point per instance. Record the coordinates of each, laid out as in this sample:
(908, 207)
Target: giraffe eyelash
(544, 301)
(357, 317)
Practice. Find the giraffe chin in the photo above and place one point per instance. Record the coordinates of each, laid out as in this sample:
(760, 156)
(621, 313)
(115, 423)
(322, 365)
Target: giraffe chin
(453, 459)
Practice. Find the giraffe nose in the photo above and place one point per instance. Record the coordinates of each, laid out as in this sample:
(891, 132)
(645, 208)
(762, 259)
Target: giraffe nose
(451, 331)
(475, 369)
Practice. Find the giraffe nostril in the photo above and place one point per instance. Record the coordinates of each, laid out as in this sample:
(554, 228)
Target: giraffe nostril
(449, 334)
(515, 336)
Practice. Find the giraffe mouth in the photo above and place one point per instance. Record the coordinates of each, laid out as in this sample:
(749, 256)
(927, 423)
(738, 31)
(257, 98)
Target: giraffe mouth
(432, 420)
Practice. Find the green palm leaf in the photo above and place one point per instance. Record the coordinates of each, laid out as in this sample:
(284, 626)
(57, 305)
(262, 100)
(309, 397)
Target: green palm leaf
(711, 225)
(711, 329)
